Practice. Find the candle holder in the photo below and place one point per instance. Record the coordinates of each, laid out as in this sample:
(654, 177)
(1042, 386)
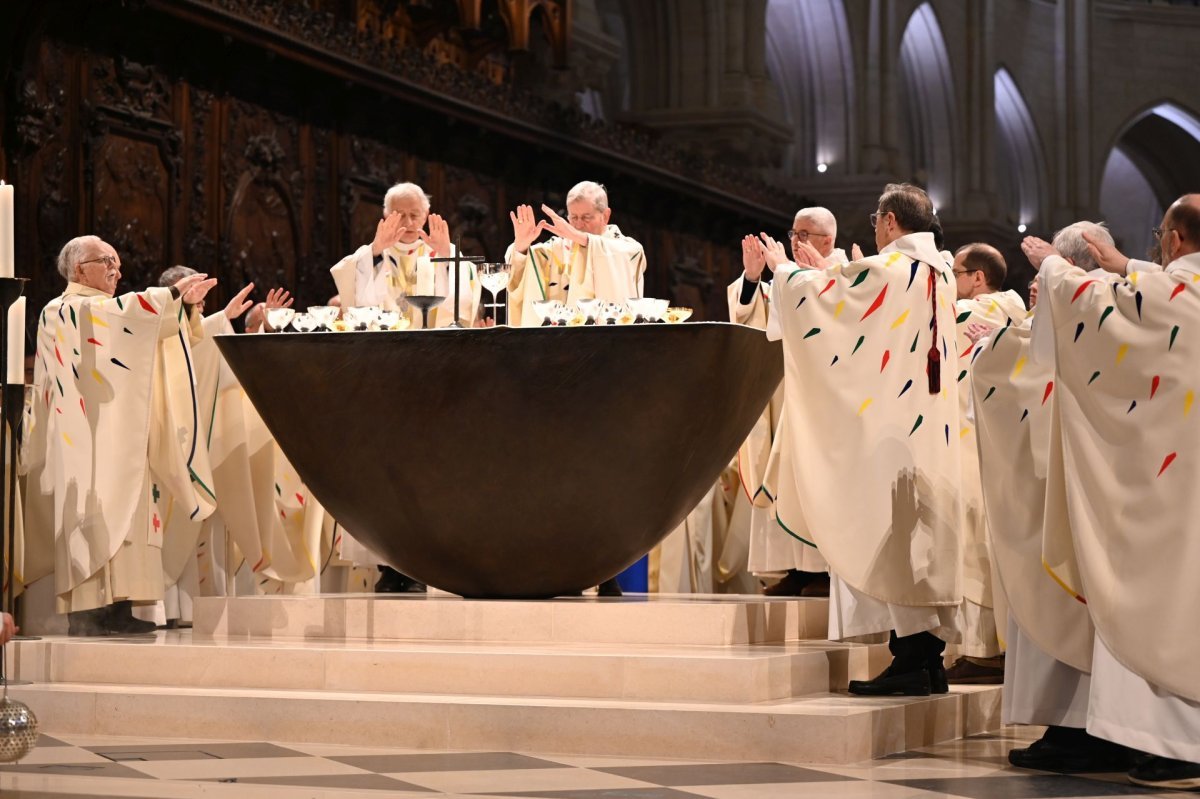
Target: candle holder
(457, 259)
(11, 288)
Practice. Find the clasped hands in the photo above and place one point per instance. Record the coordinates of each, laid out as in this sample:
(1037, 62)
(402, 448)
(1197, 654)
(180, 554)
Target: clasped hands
(527, 229)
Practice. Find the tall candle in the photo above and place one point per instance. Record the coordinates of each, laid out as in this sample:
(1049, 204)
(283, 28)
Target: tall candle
(425, 283)
(6, 230)
(15, 358)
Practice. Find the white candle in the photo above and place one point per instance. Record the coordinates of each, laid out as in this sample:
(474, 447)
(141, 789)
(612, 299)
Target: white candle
(15, 359)
(6, 230)
(424, 276)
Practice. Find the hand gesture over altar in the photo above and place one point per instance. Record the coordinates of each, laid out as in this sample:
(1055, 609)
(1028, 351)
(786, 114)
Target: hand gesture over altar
(387, 233)
(773, 251)
(561, 227)
(526, 229)
(438, 237)
(753, 261)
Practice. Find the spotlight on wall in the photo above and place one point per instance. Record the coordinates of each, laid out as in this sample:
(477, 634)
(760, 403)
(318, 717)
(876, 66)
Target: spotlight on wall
(1021, 228)
(821, 167)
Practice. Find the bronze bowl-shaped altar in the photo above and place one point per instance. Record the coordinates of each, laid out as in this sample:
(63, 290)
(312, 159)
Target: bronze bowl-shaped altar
(510, 462)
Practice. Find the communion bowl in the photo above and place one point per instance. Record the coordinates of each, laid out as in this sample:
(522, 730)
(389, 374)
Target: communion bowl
(510, 462)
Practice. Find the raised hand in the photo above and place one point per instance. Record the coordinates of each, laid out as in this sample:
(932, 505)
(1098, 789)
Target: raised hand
(561, 227)
(387, 233)
(807, 256)
(856, 253)
(239, 304)
(1037, 250)
(193, 288)
(526, 228)
(773, 251)
(278, 298)
(438, 237)
(753, 261)
(257, 318)
(1107, 256)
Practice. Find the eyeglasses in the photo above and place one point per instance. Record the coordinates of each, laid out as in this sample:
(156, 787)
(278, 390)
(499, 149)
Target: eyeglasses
(804, 235)
(959, 272)
(1159, 231)
(109, 261)
(875, 217)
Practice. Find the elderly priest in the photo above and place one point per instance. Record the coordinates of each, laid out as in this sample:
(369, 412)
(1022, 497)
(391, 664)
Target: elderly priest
(870, 403)
(104, 439)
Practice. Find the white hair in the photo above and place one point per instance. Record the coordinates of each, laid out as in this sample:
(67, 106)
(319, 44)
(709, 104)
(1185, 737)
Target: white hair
(404, 191)
(72, 251)
(593, 192)
(821, 217)
(1070, 244)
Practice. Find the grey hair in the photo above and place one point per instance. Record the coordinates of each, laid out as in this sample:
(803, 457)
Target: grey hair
(822, 217)
(70, 254)
(403, 191)
(593, 192)
(174, 274)
(1070, 244)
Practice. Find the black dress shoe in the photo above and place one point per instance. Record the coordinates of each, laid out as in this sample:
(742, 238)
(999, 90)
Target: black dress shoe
(88, 622)
(121, 620)
(798, 583)
(1167, 774)
(893, 682)
(1071, 750)
(393, 582)
(610, 588)
(938, 682)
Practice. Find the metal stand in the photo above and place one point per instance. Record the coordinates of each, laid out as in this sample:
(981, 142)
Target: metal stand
(13, 399)
(457, 260)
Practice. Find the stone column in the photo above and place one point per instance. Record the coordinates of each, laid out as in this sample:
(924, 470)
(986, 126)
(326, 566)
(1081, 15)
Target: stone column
(1074, 195)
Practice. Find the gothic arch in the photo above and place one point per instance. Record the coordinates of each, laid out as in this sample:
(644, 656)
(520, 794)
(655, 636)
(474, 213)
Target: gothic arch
(928, 106)
(1021, 163)
(809, 56)
(1154, 158)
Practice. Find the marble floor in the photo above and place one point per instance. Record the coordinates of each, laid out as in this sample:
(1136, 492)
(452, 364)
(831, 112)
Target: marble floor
(78, 766)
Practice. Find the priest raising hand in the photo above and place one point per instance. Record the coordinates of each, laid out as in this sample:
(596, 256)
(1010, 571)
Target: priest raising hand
(438, 237)
(753, 259)
(773, 251)
(388, 233)
(526, 228)
(562, 227)
(397, 263)
(587, 258)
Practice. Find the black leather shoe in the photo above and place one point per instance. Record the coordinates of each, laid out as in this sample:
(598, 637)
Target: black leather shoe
(610, 588)
(1070, 750)
(977, 671)
(88, 622)
(121, 621)
(938, 682)
(893, 683)
(393, 582)
(798, 583)
(1164, 773)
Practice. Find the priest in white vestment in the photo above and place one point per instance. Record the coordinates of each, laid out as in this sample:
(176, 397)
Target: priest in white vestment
(773, 548)
(397, 263)
(1049, 634)
(107, 438)
(587, 258)
(870, 403)
(1126, 347)
(979, 273)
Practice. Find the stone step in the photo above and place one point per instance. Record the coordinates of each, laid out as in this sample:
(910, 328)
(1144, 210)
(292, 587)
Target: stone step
(679, 619)
(738, 674)
(828, 728)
